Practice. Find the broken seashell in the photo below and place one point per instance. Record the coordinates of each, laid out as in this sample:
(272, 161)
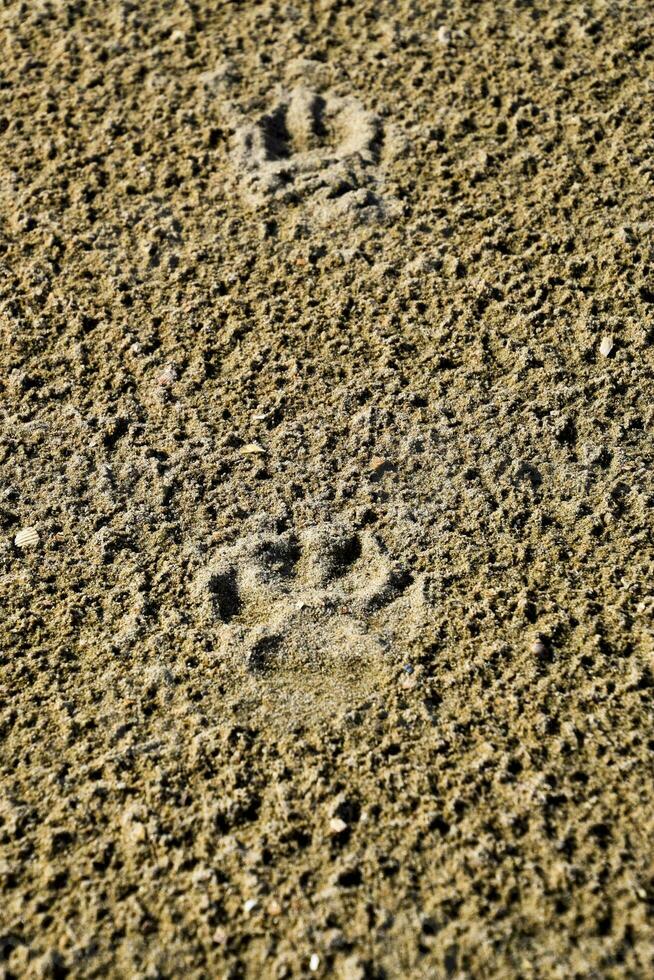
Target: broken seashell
(252, 449)
(28, 537)
(444, 35)
(274, 908)
(606, 346)
(168, 376)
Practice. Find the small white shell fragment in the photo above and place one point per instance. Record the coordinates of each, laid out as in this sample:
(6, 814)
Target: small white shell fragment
(274, 908)
(28, 537)
(443, 35)
(252, 449)
(250, 905)
(168, 376)
(606, 346)
(337, 826)
(314, 962)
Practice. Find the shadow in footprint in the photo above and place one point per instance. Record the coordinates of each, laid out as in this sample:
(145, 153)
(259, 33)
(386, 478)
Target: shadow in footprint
(275, 134)
(261, 651)
(279, 555)
(225, 597)
(318, 106)
(343, 554)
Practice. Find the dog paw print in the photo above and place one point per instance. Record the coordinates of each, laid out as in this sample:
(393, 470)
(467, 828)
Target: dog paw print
(314, 146)
(299, 600)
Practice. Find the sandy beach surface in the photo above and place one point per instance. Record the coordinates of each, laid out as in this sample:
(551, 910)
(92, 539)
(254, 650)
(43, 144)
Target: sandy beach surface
(326, 400)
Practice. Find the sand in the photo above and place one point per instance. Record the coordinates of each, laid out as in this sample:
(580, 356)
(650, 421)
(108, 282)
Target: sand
(326, 394)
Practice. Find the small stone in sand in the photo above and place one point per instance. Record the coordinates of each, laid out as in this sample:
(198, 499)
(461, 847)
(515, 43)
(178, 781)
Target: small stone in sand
(379, 465)
(538, 648)
(28, 537)
(314, 962)
(337, 826)
(252, 449)
(250, 905)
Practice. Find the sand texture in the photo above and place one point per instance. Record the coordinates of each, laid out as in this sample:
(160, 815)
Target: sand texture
(326, 403)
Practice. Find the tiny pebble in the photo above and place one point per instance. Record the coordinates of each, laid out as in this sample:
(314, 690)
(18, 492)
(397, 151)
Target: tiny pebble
(444, 35)
(379, 466)
(250, 905)
(314, 962)
(28, 537)
(606, 346)
(538, 647)
(337, 826)
(252, 449)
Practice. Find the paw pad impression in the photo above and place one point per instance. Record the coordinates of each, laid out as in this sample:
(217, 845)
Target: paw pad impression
(323, 147)
(304, 599)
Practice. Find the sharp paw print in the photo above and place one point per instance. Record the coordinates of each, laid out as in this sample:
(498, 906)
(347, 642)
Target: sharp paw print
(299, 601)
(315, 146)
